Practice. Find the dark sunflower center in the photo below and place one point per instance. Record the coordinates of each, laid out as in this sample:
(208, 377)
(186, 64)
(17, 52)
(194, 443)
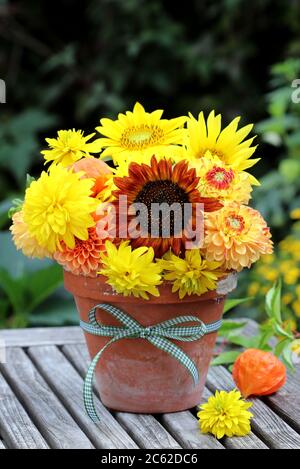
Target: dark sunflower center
(173, 199)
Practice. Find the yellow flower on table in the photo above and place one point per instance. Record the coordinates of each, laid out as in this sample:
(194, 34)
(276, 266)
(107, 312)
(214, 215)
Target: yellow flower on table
(131, 271)
(192, 275)
(140, 133)
(58, 207)
(70, 146)
(228, 144)
(225, 414)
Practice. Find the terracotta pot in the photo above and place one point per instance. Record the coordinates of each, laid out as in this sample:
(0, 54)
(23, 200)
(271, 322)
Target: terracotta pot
(133, 375)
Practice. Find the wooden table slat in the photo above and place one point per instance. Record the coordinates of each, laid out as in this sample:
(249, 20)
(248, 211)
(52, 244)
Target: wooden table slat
(144, 429)
(15, 426)
(47, 412)
(2, 445)
(68, 385)
(42, 336)
(185, 428)
(266, 423)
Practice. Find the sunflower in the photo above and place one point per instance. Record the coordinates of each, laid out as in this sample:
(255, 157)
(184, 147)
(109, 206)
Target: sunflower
(160, 183)
(58, 207)
(228, 144)
(221, 181)
(236, 235)
(70, 146)
(141, 133)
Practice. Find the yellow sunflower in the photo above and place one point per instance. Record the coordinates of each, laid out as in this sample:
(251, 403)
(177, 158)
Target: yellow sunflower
(228, 144)
(141, 133)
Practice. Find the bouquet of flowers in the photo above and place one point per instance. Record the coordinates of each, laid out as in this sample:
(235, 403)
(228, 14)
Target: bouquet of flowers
(151, 200)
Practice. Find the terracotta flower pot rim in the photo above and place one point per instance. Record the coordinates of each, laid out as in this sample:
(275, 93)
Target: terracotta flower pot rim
(96, 288)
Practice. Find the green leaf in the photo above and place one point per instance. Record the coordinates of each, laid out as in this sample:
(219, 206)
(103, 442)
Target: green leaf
(287, 357)
(225, 358)
(231, 303)
(13, 289)
(228, 326)
(273, 302)
(55, 312)
(243, 341)
(43, 283)
(282, 332)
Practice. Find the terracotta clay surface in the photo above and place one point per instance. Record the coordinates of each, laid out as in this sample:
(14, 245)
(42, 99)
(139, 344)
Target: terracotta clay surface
(133, 375)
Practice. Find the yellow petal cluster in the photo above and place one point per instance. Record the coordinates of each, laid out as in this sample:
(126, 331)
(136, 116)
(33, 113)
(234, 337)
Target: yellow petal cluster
(236, 235)
(131, 271)
(225, 414)
(70, 146)
(191, 275)
(23, 240)
(139, 133)
(58, 207)
(228, 144)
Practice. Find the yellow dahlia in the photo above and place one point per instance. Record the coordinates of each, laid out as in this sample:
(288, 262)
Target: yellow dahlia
(228, 144)
(84, 258)
(192, 275)
(23, 239)
(225, 414)
(58, 207)
(237, 236)
(141, 133)
(70, 146)
(131, 271)
(216, 179)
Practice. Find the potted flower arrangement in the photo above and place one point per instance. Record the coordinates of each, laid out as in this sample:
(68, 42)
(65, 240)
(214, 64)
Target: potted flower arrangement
(150, 222)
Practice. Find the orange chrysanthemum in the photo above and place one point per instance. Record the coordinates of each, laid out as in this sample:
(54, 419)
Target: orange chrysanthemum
(97, 170)
(24, 240)
(84, 259)
(236, 235)
(161, 183)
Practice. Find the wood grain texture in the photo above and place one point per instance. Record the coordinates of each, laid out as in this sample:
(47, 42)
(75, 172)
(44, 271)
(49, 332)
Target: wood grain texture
(44, 408)
(250, 441)
(185, 428)
(2, 445)
(15, 426)
(67, 385)
(145, 430)
(286, 401)
(42, 336)
(266, 423)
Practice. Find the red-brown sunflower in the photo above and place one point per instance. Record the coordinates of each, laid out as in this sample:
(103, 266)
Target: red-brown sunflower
(160, 183)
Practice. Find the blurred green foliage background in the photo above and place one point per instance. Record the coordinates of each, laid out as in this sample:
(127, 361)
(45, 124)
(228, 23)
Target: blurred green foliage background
(66, 65)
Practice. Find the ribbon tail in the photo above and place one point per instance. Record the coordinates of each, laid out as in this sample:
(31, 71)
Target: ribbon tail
(88, 397)
(176, 352)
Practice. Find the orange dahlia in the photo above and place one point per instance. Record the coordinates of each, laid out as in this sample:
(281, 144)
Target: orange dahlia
(236, 235)
(97, 170)
(84, 258)
(160, 183)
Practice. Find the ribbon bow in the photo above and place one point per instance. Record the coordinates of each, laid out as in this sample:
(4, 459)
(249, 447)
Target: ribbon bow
(158, 335)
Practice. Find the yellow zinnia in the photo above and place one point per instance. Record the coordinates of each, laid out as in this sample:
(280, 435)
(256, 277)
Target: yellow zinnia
(131, 271)
(57, 208)
(227, 144)
(70, 146)
(225, 414)
(220, 180)
(191, 275)
(140, 133)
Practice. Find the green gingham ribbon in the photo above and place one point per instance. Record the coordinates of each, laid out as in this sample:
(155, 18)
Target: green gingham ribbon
(158, 335)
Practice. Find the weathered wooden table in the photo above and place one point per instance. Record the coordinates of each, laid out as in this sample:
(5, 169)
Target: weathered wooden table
(41, 404)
